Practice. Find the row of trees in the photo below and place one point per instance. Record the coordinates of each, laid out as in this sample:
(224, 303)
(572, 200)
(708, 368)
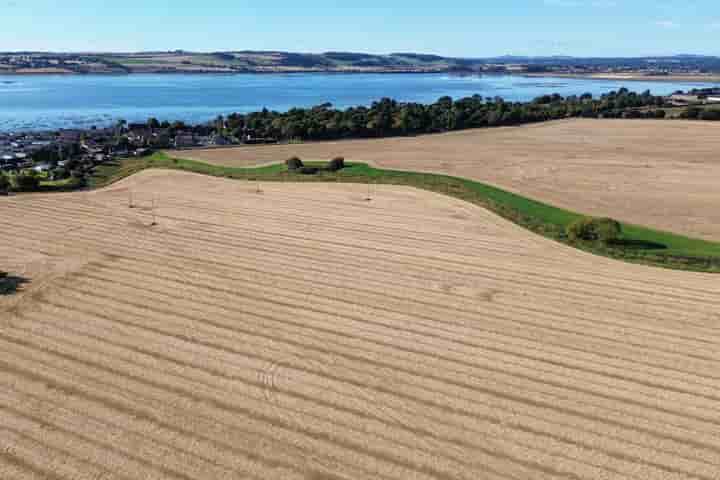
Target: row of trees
(389, 117)
(696, 113)
(25, 181)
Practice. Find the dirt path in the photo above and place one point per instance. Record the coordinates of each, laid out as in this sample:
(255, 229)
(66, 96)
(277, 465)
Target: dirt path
(305, 333)
(662, 174)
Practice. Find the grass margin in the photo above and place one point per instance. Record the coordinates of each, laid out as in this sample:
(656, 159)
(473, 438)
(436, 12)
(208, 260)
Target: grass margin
(677, 252)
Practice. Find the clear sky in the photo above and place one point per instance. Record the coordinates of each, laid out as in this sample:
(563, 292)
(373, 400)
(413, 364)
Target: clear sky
(470, 28)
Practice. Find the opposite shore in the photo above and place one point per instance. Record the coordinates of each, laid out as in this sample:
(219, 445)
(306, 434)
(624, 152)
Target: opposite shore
(700, 78)
(692, 68)
(638, 77)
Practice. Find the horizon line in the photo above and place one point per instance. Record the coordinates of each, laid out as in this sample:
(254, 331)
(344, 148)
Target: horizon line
(451, 57)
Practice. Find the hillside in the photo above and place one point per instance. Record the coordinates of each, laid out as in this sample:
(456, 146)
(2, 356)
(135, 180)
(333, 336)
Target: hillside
(660, 174)
(247, 61)
(304, 333)
(223, 62)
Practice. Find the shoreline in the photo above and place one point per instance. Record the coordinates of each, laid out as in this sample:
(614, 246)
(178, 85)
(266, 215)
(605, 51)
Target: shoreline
(629, 77)
(210, 72)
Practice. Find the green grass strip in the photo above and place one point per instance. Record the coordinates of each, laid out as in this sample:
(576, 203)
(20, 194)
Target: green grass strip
(640, 244)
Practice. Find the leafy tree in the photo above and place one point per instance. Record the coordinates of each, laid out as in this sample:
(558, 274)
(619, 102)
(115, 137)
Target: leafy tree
(388, 117)
(691, 113)
(220, 124)
(294, 163)
(337, 163)
(161, 141)
(80, 177)
(46, 155)
(713, 115)
(27, 181)
(122, 143)
(4, 184)
(605, 230)
(382, 116)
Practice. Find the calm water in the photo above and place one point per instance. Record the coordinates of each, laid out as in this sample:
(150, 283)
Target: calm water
(49, 102)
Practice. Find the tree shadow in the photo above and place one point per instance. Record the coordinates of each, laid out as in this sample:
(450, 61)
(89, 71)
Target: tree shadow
(10, 284)
(637, 244)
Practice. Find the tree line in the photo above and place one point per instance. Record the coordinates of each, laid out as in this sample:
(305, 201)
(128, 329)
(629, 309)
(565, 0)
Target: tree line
(389, 117)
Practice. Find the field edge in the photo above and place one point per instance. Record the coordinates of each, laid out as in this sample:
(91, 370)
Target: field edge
(640, 244)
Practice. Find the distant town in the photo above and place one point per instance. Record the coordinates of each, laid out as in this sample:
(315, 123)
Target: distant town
(179, 61)
(65, 154)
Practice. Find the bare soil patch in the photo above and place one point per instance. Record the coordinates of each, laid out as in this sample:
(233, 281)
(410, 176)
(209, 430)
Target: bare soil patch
(305, 333)
(661, 174)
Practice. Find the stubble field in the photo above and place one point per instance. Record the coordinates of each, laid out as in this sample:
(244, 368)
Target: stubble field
(661, 174)
(306, 333)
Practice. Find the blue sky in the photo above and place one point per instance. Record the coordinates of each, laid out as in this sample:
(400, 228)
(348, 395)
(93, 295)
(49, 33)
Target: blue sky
(471, 28)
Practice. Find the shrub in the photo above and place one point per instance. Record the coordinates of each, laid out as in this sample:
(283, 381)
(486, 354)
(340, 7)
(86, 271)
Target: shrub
(691, 113)
(308, 170)
(59, 173)
(713, 115)
(605, 230)
(294, 163)
(27, 181)
(632, 114)
(80, 177)
(4, 184)
(337, 163)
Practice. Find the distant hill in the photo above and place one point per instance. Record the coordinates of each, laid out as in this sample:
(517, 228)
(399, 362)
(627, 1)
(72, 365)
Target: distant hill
(250, 61)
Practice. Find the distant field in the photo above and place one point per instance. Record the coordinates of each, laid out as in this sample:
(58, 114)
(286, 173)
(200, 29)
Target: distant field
(662, 174)
(306, 333)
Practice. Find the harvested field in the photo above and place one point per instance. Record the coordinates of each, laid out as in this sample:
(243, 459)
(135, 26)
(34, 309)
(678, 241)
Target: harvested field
(660, 174)
(305, 333)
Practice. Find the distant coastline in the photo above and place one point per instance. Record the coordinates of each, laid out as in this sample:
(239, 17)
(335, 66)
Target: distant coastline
(43, 102)
(229, 72)
(638, 77)
(629, 76)
(695, 68)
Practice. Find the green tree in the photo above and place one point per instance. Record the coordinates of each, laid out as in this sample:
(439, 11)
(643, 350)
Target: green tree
(80, 177)
(122, 143)
(220, 124)
(382, 116)
(605, 230)
(713, 115)
(4, 184)
(27, 181)
(294, 164)
(337, 163)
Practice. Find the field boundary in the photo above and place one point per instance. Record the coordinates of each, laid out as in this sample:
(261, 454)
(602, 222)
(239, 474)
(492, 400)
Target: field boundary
(640, 244)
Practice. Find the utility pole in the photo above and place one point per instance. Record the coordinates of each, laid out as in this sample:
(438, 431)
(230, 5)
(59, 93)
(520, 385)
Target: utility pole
(154, 212)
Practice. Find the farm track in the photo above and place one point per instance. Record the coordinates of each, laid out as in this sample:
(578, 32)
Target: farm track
(303, 333)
